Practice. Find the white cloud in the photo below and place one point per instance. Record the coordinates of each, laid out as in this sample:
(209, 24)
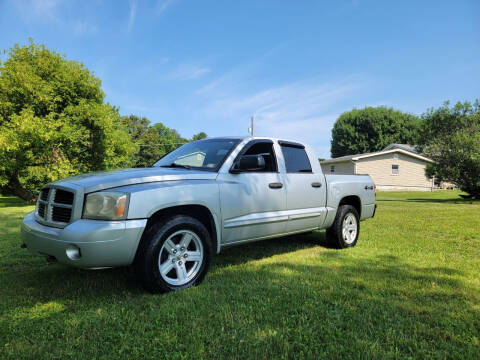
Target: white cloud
(188, 72)
(54, 12)
(46, 9)
(302, 110)
(239, 76)
(162, 5)
(163, 60)
(132, 14)
(84, 28)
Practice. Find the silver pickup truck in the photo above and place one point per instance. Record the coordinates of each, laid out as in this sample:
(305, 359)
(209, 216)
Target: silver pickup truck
(170, 219)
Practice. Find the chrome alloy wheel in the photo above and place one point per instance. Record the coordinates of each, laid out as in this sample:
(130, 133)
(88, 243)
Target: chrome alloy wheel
(180, 257)
(349, 228)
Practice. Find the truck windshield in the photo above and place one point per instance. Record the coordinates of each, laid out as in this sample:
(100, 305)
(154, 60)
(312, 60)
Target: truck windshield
(206, 155)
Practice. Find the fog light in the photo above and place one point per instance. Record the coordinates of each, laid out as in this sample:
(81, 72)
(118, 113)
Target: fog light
(73, 252)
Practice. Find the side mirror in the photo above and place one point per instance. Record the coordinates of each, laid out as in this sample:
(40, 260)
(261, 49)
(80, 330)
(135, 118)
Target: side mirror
(249, 163)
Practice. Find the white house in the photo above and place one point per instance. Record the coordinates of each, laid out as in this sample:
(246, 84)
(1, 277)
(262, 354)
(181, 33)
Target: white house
(397, 167)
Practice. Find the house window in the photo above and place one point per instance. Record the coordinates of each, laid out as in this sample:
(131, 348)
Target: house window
(332, 168)
(395, 170)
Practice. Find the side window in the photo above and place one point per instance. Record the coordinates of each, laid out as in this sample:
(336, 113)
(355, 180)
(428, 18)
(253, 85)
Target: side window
(296, 159)
(266, 150)
(395, 170)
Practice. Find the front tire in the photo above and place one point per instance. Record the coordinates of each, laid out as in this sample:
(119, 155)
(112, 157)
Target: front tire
(174, 254)
(345, 229)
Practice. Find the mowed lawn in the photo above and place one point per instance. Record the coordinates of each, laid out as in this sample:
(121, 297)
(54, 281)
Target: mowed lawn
(410, 288)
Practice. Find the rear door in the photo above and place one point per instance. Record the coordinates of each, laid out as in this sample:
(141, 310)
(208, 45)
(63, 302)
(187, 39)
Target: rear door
(305, 187)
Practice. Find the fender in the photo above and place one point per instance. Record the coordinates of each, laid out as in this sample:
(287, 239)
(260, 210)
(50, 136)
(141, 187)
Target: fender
(148, 199)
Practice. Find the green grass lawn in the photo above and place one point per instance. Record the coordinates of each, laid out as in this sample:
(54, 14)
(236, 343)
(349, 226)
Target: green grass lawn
(410, 288)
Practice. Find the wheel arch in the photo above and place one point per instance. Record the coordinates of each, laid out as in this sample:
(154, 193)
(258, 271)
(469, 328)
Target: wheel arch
(199, 212)
(354, 201)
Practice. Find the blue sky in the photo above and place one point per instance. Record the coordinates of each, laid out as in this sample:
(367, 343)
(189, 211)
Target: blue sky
(294, 65)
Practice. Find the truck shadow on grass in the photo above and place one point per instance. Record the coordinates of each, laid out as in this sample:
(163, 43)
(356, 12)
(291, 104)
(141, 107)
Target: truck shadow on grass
(19, 264)
(38, 276)
(238, 254)
(381, 306)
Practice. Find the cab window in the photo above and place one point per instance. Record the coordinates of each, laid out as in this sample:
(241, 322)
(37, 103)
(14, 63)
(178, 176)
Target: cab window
(296, 159)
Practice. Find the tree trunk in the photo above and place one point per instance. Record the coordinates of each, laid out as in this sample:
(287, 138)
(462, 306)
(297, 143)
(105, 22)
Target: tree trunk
(16, 189)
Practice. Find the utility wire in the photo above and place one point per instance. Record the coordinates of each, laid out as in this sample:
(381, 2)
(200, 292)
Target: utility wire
(163, 144)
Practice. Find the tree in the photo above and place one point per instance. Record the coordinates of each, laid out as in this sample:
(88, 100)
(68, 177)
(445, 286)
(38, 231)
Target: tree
(201, 135)
(148, 140)
(372, 129)
(170, 138)
(153, 141)
(54, 122)
(136, 126)
(451, 137)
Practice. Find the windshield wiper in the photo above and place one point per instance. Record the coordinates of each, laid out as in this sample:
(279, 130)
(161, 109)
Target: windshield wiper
(175, 165)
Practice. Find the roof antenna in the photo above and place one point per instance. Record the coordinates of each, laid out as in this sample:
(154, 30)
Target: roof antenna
(250, 129)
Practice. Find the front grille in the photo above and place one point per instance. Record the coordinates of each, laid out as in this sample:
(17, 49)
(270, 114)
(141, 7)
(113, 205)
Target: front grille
(61, 214)
(44, 194)
(41, 210)
(63, 197)
(55, 206)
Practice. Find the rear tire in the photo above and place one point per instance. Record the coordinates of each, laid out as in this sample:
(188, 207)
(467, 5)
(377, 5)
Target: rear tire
(345, 229)
(174, 254)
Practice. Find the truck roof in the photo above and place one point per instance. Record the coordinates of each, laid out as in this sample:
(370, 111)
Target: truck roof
(252, 138)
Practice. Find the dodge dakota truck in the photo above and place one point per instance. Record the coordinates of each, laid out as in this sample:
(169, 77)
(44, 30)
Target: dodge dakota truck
(169, 220)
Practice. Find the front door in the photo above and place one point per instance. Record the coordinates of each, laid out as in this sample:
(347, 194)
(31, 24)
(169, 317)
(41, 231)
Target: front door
(253, 203)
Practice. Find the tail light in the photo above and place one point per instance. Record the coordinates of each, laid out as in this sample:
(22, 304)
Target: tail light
(375, 190)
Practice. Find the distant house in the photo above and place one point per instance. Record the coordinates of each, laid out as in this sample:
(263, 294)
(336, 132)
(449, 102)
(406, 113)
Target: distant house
(397, 167)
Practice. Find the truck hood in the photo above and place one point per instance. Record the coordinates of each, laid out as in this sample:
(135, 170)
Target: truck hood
(109, 179)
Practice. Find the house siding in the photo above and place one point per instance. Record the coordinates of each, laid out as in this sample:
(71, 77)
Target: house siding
(411, 172)
(341, 168)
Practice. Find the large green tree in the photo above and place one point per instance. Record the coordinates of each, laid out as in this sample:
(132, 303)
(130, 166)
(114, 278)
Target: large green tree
(54, 122)
(451, 137)
(372, 129)
(170, 138)
(146, 139)
(153, 141)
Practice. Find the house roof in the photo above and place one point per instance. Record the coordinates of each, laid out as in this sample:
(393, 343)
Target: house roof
(388, 150)
(405, 147)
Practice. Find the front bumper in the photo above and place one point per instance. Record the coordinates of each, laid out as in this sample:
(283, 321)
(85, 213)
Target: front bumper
(101, 243)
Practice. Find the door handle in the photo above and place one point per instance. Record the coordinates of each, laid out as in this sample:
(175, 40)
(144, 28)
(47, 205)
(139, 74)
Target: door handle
(316, 184)
(275, 185)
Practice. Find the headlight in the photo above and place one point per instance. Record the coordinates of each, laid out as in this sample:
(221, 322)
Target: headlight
(106, 205)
